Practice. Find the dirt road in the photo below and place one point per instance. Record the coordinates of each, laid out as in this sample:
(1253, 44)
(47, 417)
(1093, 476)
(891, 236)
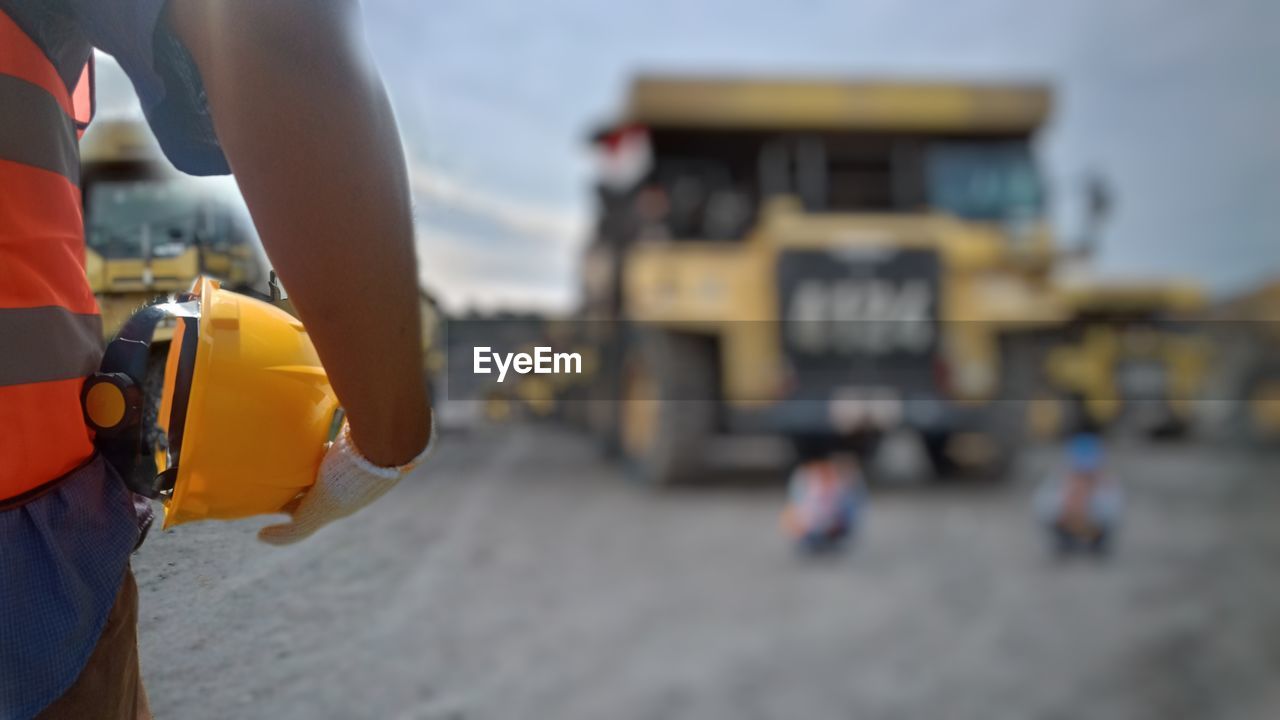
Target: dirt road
(528, 580)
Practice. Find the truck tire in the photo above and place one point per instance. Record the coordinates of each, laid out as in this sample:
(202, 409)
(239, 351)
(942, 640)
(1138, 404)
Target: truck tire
(1261, 409)
(667, 410)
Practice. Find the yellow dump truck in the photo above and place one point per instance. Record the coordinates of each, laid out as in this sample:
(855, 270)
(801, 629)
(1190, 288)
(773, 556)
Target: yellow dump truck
(150, 231)
(1133, 355)
(825, 260)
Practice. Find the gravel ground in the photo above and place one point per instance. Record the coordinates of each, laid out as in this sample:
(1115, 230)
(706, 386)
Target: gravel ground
(528, 580)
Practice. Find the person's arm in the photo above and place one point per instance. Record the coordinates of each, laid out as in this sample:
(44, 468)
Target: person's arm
(308, 131)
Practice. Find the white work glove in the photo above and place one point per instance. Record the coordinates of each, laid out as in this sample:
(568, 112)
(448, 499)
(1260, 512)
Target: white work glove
(346, 482)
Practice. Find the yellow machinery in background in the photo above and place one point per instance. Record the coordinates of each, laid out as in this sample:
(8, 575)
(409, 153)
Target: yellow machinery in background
(149, 230)
(832, 260)
(1246, 334)
(1133, 354)
(433, 321)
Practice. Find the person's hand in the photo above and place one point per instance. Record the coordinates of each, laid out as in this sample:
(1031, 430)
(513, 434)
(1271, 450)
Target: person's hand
(346, 482)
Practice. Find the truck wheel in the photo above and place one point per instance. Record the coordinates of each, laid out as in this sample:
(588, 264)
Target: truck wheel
(667, 410)
(1010, 438)
(1171, 427)
(1262, 410)
(935, 446)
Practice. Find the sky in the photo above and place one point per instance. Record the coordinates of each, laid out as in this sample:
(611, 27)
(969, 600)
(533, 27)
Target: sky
(1175, 102)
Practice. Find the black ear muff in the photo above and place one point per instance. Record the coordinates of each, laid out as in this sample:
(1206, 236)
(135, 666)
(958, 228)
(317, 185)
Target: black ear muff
(112, 403)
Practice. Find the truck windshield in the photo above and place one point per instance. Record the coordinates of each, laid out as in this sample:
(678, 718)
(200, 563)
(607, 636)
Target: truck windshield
(137, 218)
(983, 180)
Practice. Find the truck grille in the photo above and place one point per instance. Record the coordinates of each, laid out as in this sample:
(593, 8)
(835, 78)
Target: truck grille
(860, 319)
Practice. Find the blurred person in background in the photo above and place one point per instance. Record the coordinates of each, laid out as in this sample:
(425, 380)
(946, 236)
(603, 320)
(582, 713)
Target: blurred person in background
(1081, 504)
(825, 499)
(284, 94)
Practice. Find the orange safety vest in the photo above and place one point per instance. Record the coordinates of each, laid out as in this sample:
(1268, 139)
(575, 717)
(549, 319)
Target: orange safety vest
(50, 329)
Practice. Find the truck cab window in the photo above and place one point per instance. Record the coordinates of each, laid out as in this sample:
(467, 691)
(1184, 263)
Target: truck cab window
(842, 172)
(860, 174)
(140, 218)
(993, 180)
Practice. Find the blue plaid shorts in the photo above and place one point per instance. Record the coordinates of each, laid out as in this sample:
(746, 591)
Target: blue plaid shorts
(62, 559)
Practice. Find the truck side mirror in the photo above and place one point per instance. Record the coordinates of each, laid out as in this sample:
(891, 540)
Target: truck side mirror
(1099, 197)
(1099, 202)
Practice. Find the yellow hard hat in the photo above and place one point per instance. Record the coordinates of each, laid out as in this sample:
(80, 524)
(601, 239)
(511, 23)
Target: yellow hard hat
(245, 413)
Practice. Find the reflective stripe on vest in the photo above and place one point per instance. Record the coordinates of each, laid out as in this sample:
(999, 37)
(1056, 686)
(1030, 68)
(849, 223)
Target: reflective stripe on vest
(50, 329)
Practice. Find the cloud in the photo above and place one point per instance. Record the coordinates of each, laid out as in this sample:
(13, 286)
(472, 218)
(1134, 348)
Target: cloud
(489, 252)
(466, 275)
(564, 228)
